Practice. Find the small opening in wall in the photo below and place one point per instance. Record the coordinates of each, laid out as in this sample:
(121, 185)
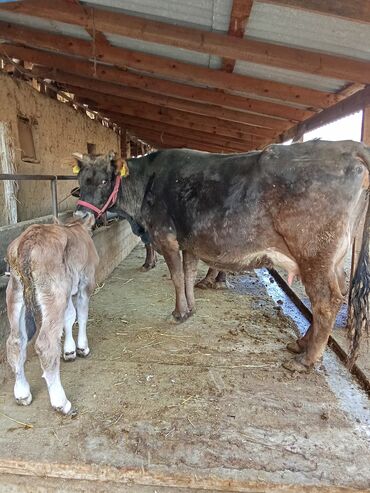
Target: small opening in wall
(91, 148)
(28, 152)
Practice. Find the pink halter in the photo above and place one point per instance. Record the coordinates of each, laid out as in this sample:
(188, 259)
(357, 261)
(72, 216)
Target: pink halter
(111, 200)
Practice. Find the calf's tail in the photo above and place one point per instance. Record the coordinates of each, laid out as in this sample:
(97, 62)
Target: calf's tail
(359, 314)
(32, 308)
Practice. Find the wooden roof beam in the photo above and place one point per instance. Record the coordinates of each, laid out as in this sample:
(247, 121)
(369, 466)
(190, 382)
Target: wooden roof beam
(138, 122)
(240, 12)
(154, 85)
(167, 67)
(214, 43)
(103, 103)
(164, 139)
(204, 135)
(166, 101)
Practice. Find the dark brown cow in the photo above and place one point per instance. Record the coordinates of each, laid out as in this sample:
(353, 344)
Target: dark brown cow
(49, 264)
(295, 207)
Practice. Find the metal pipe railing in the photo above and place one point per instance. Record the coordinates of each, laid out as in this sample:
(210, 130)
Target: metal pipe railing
(53, 184)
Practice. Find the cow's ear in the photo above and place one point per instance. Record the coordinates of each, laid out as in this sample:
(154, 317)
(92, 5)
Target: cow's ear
(78, 163)
(121, 167)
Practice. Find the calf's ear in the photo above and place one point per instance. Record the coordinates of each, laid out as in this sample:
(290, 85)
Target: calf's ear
(89, 222)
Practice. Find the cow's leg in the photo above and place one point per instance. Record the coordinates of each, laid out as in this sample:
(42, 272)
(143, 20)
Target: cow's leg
(171, 252)
(299, 346)
(325, 296)
(214, 279)
(69, 349)
(209, 280)
(190, 264)
(17, 341)
(82, 305)
(48, 348)
(221, 282)
(150, 259)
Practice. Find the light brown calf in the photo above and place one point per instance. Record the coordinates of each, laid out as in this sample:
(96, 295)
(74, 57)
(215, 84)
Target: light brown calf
(49, 264)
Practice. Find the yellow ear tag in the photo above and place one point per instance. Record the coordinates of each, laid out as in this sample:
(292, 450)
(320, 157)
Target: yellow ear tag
(76, 169)
(124, 169)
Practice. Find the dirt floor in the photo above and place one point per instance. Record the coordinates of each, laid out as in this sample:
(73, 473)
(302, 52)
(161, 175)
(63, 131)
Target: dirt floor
(201, 405)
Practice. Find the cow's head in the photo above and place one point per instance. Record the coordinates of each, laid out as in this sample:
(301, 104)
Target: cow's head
(97, 176)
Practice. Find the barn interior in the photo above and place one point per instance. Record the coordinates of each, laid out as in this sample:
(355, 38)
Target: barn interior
(205, 405)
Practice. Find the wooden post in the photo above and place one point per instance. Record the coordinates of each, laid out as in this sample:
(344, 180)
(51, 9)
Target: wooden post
(7, 165)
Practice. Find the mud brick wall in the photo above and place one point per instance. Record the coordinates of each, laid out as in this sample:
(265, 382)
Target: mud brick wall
(58, 131)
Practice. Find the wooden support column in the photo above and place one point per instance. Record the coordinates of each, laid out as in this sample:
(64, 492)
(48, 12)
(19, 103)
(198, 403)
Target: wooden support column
(7, 166)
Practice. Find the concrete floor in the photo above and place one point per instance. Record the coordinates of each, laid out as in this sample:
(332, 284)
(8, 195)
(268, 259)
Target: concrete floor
(204, 405)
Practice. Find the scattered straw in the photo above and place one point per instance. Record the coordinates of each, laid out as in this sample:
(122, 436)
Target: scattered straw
(127, 281)
(98, 288)
(26, 426)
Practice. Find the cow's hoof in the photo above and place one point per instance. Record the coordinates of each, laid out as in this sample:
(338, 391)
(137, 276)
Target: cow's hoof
(83, 353)
(294, 347)
(69, 356)
(220, 285)
(146, 267)
(24, 401)
(66, 409)
(295, 365)
(204, 284)
(181, 317)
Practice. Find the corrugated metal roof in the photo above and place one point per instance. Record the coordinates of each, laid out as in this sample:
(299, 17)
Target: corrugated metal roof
(165, 50)
(208, 14)
(288, 76)
(299, 28)
(44, 24)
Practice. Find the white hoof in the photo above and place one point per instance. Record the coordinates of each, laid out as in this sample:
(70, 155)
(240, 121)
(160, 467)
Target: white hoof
(66, 409)
(69, 356)
(83, 352)
(24, 401)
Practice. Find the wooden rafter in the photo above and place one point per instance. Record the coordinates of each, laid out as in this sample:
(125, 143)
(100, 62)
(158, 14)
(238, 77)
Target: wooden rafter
(211, 42)
(177, 117)
(166, 67)
(166, 139)
(121, 91)
(155, 85)
(147, 124)
(240, 12)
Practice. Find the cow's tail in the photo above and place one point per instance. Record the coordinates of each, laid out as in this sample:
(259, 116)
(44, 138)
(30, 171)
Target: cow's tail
(359, 313)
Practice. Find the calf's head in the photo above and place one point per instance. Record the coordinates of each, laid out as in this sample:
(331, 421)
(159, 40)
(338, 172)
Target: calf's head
(97, 176)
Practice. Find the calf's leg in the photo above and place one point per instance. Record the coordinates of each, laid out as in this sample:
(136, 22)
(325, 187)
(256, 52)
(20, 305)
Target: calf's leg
(48, 347)
(17, 341)
(69, 349)
(82, 304)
